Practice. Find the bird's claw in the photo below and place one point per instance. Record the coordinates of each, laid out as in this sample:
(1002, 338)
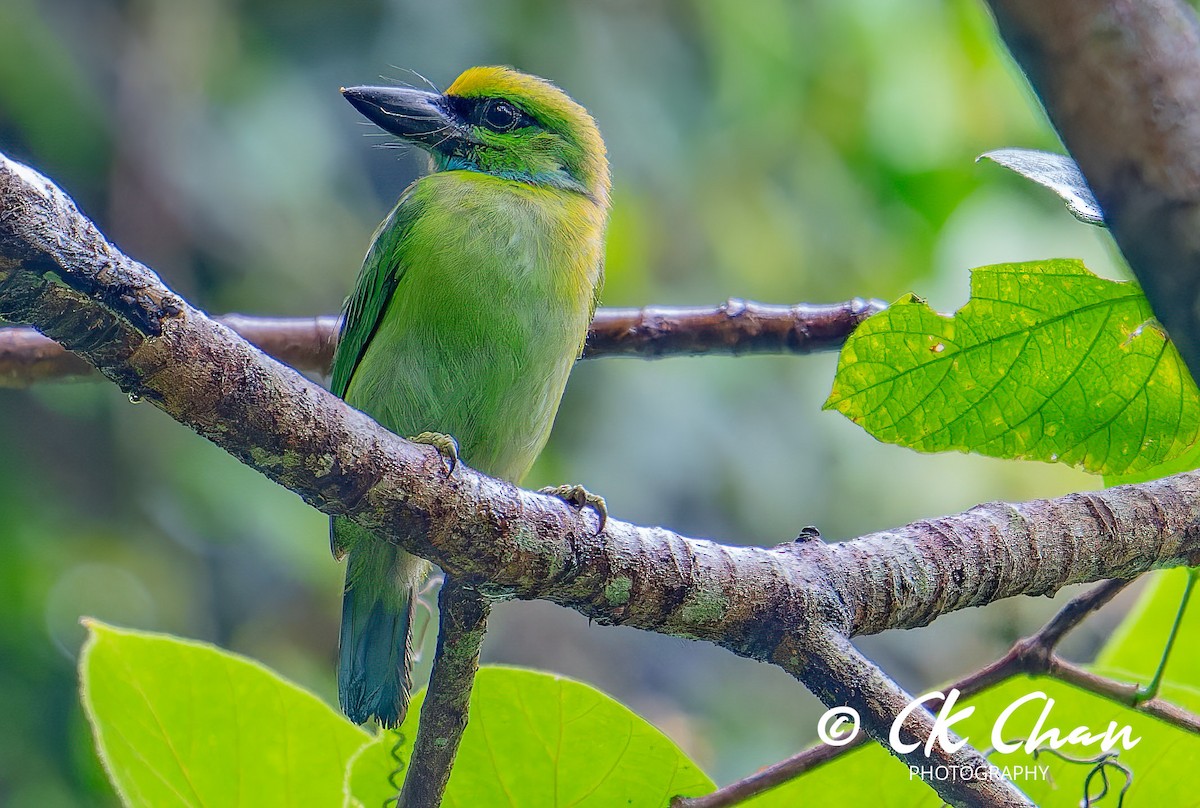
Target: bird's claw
(580, 497)
(446, 446)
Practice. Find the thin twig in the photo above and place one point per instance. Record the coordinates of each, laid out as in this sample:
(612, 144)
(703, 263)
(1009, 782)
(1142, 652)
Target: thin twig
(771, 776)
(1077, 609)
(1123, 693)
(307, 343)
(734, 327)
(463, 621)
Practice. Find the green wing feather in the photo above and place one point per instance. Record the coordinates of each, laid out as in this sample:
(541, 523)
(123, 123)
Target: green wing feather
(377, 281)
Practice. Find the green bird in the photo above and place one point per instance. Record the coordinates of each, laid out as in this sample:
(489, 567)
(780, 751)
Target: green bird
(471, 307)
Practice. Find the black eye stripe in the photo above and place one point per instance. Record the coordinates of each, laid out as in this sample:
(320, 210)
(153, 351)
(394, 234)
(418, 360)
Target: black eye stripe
(496, 114)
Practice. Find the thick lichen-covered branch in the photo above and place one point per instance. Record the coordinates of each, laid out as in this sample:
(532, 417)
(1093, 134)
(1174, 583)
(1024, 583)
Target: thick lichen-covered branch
(781, 604)
(306, 343)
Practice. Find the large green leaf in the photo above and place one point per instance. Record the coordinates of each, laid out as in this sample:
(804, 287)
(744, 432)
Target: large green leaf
(1045, 362)
(534, 740)
(182, 723)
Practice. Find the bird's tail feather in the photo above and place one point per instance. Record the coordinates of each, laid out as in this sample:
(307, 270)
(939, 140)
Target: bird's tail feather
(375, 655)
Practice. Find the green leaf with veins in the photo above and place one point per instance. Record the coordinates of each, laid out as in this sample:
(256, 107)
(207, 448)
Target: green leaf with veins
(182, 723)
(1046, 361)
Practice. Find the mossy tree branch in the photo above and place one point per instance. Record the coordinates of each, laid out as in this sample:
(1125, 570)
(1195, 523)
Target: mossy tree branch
(794, 605)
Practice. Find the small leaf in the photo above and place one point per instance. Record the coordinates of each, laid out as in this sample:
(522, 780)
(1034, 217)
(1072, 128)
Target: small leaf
(1057, 172)
(536, 740)
(1045, 362)
(183, 723)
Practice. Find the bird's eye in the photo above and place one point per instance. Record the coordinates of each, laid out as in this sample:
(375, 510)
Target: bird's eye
(500, 116)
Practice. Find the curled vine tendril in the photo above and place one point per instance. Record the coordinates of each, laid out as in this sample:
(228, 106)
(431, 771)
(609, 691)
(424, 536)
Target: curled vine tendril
(395, 778)
(1100, 764)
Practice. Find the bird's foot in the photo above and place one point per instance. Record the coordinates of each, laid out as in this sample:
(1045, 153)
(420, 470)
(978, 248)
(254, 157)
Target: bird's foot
(580, 497)
(446, 446)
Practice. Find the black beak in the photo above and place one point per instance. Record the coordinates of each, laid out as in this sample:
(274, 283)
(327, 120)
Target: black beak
(414, 115)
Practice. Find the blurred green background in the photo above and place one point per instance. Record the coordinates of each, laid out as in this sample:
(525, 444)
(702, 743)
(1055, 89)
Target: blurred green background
(768, 149)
